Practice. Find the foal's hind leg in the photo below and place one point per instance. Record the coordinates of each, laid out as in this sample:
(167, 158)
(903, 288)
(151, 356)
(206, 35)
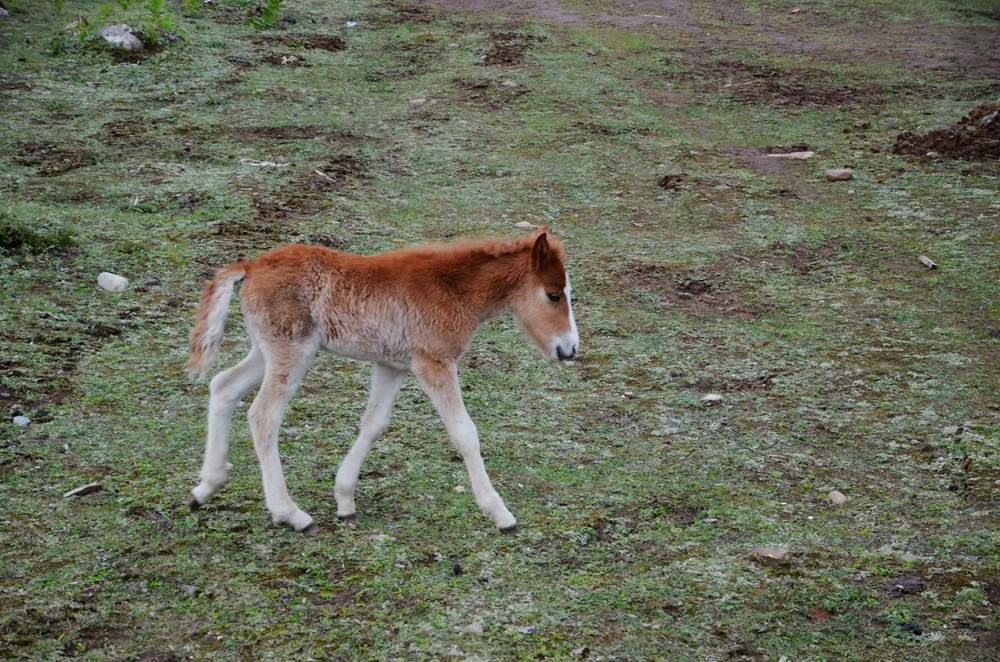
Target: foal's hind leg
(386, 381)
(287, 362)
(227, 388)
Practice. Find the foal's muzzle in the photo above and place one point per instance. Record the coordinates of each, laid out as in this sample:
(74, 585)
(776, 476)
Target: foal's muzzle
(564, 356)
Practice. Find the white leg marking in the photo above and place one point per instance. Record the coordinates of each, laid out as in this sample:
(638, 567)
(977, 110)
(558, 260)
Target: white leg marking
(227, 388)
(281, 378)
(440, 381)
(385, 384)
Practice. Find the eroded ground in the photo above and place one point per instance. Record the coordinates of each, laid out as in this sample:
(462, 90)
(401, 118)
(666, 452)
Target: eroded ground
(638, 130)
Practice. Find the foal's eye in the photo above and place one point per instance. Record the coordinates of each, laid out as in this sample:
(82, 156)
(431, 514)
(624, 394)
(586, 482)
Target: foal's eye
(554, 296)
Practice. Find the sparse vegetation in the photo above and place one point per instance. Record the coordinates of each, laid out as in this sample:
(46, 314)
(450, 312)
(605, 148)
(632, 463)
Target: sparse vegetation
(699, 266)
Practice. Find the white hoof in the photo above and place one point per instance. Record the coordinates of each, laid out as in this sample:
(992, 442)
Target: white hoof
(298, 519)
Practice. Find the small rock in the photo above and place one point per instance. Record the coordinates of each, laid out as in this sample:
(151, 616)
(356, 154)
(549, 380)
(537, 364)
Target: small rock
(351, 24)
(458, 488)
(581, 652)
(801, 156)
(932, 154)
(525, 225)
(112, 282)
(711, 398)
(457, 569)
(21, 421)
(927, 262)
(120, 36)
(152, 282)
(83, 489)
(905, 585)
(4, 13)
(769, 554)
(188, 589)
(795, 10)
(510, 83)
(839, 174)
(837, 498)
(418, 101)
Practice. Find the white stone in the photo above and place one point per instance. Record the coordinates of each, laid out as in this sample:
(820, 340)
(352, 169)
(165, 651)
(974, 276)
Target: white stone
(510, 83)
(21, 421)
(459, 488)
(4, 12)
(112, 282)
(839, 174)
(120, 36)
(711, 398)
(83, 489)
(801, 156)
(837, 498)
(525, 225)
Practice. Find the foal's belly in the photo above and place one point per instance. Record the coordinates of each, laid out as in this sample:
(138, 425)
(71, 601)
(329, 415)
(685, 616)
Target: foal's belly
(383, 344)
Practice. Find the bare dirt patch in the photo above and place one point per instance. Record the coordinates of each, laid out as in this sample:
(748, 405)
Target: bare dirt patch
(323, 42)
(760, 84)
(488, 93)
(508, 48)
(975, 137)
(127, 133)
(307, 191)
(288, 132)
(285, 60)
(708, 292)
(48, 158)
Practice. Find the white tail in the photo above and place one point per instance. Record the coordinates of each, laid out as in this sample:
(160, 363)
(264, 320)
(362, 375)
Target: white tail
(206, 336)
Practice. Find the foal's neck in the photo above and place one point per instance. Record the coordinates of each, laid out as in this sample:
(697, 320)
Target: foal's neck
(488, 280)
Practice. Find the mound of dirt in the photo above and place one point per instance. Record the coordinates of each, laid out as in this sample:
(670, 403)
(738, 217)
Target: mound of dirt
(975, 137)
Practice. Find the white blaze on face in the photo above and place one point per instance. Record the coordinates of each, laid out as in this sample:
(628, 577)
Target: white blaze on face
(567, 343)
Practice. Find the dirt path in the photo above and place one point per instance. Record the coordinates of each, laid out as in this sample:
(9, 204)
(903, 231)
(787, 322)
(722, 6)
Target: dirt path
(724, 24)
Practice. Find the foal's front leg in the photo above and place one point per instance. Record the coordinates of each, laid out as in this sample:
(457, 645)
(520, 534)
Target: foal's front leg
(440, 381)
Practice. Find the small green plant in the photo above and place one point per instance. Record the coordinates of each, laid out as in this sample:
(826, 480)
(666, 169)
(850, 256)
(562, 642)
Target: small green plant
(267, 16)
(191, 7)
(16, 236)
(158, 19)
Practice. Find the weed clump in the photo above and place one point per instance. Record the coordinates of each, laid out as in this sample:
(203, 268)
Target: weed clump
(17, 236)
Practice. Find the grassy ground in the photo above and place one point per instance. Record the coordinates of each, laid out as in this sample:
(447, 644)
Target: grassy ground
(843, 362)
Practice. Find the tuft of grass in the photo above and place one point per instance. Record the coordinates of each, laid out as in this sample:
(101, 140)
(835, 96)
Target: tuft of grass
(268, 15)
(17, 236)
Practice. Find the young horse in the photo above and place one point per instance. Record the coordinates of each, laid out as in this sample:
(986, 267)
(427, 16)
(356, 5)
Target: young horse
(408, 310)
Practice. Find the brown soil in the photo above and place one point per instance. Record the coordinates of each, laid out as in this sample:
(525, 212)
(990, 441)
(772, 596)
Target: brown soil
(318, 41)
(306, 193)
(754, 83)
(975, 137)
(285, 60)
(289, 132)
(488, 93)
(696, 292)
(51, 159)
(125, 134)
(508, 48)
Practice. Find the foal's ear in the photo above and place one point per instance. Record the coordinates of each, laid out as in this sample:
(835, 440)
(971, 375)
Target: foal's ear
(541, 253)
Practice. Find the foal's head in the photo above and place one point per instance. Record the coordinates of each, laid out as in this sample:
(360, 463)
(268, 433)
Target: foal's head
(542, 303)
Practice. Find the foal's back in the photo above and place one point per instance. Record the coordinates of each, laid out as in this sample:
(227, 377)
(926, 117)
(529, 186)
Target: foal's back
(348, 301)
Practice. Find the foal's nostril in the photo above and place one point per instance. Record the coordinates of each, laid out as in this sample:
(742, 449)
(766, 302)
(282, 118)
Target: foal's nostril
(561, 355)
